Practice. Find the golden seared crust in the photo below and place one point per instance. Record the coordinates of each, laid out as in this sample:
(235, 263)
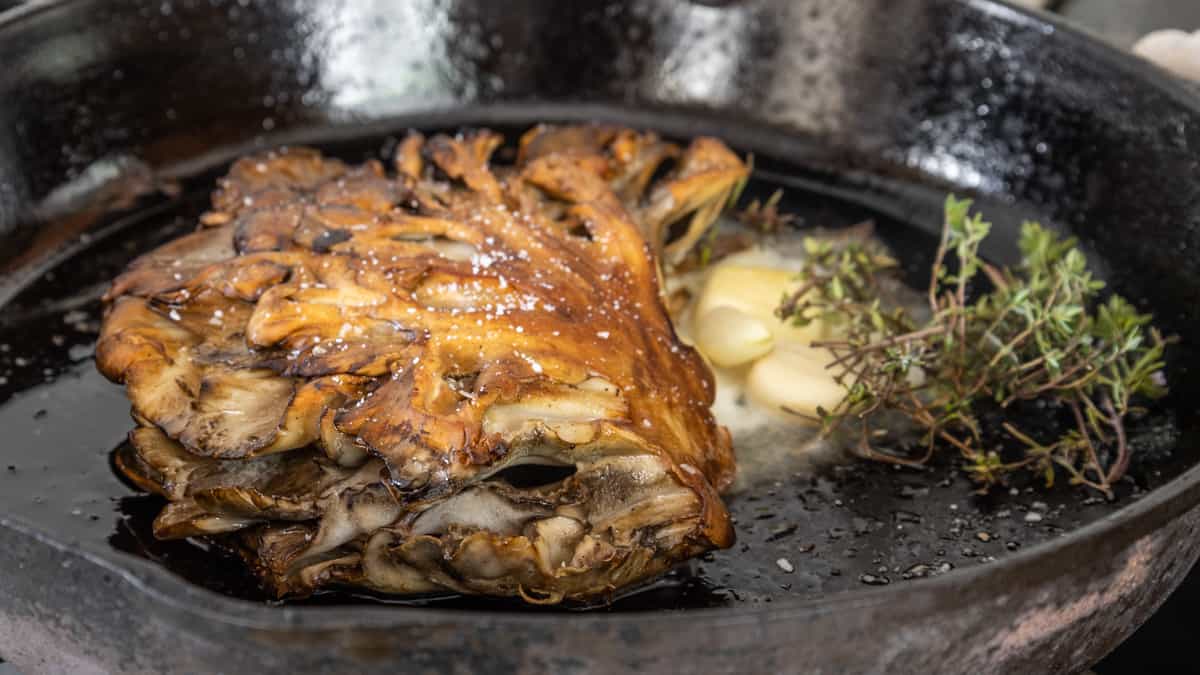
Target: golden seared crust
(446, 322)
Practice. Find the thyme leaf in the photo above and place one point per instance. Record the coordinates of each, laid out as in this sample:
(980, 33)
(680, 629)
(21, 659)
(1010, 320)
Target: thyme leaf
(1040, 332)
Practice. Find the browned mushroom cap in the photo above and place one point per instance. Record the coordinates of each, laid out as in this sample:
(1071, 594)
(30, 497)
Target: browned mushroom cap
(462, 377)
(616, 518)
(632, 157)
(276, 177)
(172, 265)
(211, 495)
(700, 187)
(619, 518)
(217, 399)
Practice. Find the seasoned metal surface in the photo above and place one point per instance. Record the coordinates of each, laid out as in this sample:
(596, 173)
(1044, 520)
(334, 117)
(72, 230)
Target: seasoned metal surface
(841, 527)
(887, 114)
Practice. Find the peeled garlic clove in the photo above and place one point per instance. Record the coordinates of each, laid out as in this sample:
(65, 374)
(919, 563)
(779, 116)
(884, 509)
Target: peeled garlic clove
(753, 290)
(730, 337)
(794, 378)
(757, 291)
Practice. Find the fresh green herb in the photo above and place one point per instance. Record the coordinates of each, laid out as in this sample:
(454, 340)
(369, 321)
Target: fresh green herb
(1040, 333)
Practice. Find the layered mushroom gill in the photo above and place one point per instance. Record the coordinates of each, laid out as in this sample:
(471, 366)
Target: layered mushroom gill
(456, 375)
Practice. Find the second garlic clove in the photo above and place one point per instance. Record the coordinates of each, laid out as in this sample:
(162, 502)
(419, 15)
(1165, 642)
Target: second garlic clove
(731, 337)
(794, 378)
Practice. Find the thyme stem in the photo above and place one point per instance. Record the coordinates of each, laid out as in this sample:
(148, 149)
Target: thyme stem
(1039, 333)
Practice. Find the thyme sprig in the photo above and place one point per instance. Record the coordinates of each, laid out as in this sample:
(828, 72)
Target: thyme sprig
(1040, 333)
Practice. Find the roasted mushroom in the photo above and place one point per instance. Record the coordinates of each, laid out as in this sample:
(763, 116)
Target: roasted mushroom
(457, 377)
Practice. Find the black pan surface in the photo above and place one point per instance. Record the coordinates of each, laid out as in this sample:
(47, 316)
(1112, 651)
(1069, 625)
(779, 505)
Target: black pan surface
(117, 115)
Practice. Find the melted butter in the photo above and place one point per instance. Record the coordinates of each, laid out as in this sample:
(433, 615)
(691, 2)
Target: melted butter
(769, 442)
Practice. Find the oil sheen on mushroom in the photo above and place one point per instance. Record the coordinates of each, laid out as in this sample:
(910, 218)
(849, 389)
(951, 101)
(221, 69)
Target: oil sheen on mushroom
(457, 374)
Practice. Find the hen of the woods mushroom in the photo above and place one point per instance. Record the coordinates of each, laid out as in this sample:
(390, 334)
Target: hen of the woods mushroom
(457, 376)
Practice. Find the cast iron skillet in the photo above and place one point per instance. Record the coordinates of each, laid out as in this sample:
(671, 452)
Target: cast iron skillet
(878, 105)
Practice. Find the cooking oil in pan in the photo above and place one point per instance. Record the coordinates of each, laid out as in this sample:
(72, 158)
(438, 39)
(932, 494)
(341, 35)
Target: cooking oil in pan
(803, 528)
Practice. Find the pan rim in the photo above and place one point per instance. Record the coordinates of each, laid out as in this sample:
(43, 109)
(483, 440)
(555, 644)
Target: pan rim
(1154, 509)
